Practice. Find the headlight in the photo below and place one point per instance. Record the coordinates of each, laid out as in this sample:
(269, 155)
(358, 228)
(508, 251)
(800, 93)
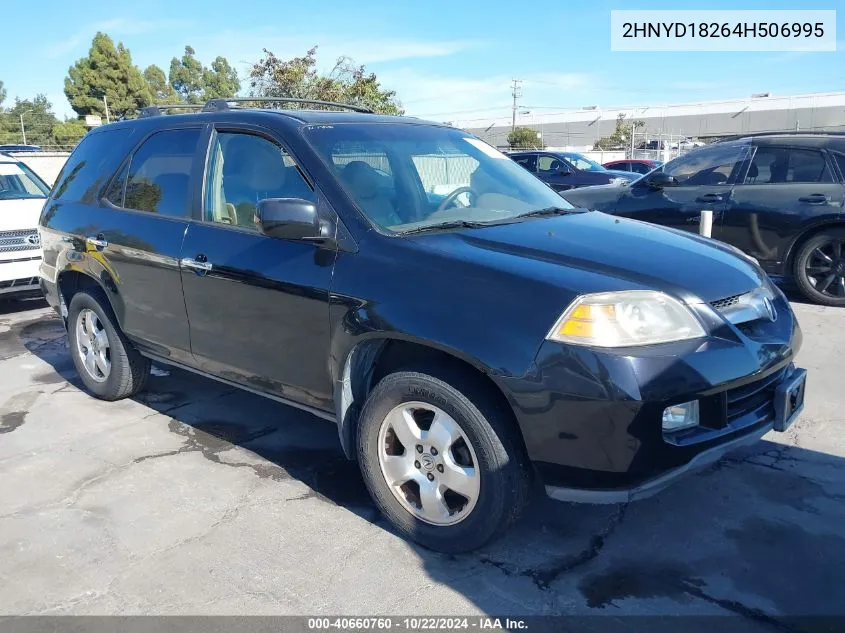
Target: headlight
(625, 319)
(619, 181)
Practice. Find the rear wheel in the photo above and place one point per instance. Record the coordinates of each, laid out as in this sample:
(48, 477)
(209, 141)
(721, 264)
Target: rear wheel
(110, 367)
(819, 268)
(443, 463)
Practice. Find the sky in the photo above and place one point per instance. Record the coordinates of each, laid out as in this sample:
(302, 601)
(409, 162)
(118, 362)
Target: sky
(447, 60)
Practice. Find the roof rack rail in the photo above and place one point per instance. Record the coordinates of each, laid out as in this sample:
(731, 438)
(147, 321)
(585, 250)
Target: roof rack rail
(159, 108)
(734, 137)
(218, 105)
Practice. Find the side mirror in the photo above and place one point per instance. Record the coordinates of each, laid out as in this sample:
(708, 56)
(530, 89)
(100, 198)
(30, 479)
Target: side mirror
(659, 180)
(288, 218)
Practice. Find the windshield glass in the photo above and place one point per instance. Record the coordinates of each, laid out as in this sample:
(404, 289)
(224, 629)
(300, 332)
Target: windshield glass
(407, 177)
(17, 181)
(583, 163)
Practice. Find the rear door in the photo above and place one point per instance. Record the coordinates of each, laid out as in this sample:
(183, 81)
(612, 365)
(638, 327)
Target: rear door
(258, 306)
(703, 181)
(784, 189)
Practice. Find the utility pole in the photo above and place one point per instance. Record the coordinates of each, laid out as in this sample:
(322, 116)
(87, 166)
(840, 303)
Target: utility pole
(105, 103)
(23, 131)
(516, 92)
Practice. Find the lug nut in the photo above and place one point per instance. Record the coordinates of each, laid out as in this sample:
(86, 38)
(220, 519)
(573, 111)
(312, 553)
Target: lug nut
(433, 451)
(430, 477)
(440, 468)
(416, 464)
(419, 448)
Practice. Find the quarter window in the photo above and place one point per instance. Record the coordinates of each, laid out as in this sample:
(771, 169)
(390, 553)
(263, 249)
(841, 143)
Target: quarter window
(245, 169)
(160, 173)
(784, 164)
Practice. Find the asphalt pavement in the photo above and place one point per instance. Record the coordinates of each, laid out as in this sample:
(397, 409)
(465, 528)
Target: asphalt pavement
(197, 498)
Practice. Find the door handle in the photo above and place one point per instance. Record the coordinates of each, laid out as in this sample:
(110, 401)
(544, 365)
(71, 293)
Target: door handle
(98, 241)
(196, 264)
(814, 198)
(711, 197)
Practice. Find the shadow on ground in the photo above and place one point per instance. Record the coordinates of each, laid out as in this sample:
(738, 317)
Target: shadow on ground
(758, 536)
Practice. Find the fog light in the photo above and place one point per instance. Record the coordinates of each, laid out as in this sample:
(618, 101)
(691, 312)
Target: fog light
(680, 416)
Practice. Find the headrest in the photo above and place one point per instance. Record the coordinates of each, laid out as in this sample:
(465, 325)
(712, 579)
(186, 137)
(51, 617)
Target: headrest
(361, 178)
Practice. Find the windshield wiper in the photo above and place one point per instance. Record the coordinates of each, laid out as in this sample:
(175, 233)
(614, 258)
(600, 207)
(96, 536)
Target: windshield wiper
(550, 211)
(451, 224)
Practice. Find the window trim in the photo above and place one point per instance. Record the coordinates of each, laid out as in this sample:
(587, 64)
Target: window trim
(127, 161)
(740, 182)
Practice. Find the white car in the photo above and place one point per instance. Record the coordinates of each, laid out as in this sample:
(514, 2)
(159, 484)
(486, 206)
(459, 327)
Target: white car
(22, 195)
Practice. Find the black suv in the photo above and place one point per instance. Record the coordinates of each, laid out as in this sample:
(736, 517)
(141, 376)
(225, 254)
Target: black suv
(463, 325)
(567, 170)
(778, 197)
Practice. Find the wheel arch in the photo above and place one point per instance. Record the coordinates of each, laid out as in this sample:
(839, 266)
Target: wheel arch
(807, 234)
(69, 282)
(371, 360)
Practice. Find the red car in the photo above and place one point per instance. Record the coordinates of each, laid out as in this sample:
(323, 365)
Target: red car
(636, 165)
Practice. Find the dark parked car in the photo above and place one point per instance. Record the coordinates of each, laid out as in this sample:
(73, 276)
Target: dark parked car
(568, 170)
(635, 165)
(460, 322)
(777, 197)
(20, 148)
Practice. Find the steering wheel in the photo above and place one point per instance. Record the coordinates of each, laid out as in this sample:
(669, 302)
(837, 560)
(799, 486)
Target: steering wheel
(452, 197)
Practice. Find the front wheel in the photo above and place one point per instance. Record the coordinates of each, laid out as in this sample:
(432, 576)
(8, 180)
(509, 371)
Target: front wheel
(819, 268)
(444, 465)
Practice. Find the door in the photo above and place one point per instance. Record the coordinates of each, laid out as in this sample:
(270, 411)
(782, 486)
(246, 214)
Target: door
(258, 306)
(700, 180)
(784, 189)
(137, 241)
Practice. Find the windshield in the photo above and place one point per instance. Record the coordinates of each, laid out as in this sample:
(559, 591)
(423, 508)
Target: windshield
(406, 177)
(583, 163)
(18, 181)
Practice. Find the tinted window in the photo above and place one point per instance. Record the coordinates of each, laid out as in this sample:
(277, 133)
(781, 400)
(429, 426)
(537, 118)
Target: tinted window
(640, 168)
(711, 166)
(160, 173)
(245, 169)
(840, 160)
(784, 164)
(529, 162)
(91, 165)
(116, 190)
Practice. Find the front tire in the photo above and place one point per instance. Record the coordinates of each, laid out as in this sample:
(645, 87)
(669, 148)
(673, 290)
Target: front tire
(819, 268)
(443, 463)
(109, 366)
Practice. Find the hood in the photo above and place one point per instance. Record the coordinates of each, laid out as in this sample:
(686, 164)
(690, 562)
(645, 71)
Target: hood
(619, 173)
(596, 252)
(20, 214)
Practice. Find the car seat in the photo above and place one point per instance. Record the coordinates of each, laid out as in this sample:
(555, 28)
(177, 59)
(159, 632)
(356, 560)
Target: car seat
(362, 181)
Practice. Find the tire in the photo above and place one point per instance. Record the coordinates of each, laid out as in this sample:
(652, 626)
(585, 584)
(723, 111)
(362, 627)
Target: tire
(128, 371)
(497, 455)
(811, 256)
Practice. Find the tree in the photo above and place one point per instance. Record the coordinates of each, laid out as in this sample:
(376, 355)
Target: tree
(160, 90)
(68, 133)
(38, 121)
(620, 139)
(523, 137)
(195, 83)
(2, 94)
(107, 72)
(298, 78)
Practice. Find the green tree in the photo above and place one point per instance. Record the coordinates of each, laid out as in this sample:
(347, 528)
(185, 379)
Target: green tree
(107, 72)
(38, 121)
(69, 132)
(298, 78)
(524, 138)
(620, 139)
(195, 83)
(2, 94)
(160, 89)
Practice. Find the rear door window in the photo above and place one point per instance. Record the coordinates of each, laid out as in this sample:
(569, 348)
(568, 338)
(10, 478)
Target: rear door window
(787, 165)
(159, 177)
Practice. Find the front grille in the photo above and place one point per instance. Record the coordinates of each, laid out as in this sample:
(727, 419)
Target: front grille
(754, 397)
(19, 240)
(15, 283)
(727, 302)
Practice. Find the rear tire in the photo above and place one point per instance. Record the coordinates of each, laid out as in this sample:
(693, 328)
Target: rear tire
(108, 364)
(487, 447)
(819, 268)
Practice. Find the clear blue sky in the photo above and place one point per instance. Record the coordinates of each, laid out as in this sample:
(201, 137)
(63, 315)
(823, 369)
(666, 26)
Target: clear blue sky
(447, 60)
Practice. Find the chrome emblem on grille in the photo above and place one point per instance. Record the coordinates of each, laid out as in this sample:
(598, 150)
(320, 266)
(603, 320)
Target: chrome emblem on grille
(771, 311)
(33, 239)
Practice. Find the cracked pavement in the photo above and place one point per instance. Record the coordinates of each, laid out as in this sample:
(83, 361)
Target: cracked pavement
(196, 498)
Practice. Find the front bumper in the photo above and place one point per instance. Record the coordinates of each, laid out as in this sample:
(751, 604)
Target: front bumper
(19, 275)
(591, 418)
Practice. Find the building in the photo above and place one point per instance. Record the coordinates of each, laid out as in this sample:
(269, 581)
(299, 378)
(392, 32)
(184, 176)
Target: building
(580, 128)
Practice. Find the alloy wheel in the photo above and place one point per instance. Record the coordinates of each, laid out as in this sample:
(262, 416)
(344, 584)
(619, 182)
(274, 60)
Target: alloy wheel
(825, 268)
(92, 345)
(428, 463)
